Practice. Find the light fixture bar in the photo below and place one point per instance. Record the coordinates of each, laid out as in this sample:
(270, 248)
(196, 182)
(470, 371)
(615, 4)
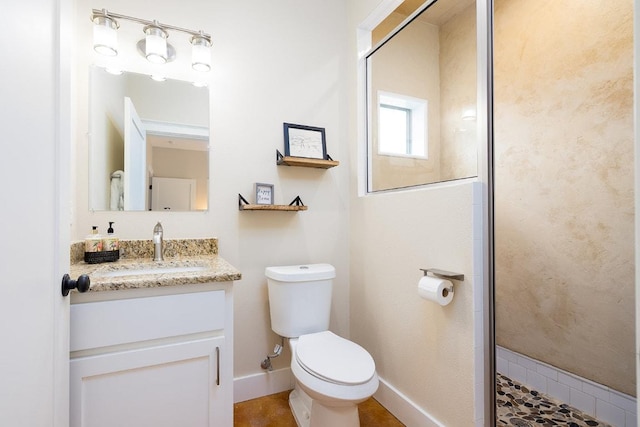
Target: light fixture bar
(106, 14)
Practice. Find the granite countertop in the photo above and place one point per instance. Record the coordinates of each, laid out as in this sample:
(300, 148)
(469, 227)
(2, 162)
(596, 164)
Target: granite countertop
(195, 260)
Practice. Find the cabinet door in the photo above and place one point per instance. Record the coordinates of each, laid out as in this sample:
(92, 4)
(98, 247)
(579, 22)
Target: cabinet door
(161, 386)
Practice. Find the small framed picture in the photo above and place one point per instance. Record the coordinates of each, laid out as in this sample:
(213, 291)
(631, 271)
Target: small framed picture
(264, 194)
(304, 141)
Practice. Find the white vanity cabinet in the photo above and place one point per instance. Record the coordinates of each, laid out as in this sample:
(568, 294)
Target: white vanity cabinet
(155, 358)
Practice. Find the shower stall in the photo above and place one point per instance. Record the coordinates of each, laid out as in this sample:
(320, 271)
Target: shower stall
(564, 201)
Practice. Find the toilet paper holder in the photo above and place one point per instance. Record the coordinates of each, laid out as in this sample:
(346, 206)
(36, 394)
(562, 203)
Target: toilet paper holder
(443, 274)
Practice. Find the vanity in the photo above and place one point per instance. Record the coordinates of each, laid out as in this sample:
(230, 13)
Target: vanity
(151, 343)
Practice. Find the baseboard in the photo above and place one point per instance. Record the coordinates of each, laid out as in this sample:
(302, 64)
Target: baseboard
(262, 384)
(403, 408)
(266, 383)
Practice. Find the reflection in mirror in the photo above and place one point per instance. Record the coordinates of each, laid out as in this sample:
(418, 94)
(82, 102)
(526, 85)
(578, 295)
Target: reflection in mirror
(149, 144)
(421, 102)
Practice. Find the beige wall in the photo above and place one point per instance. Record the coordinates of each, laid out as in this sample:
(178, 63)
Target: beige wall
(408, 65)
(426, 352)
(435, 61)
(458, 137)
(188, 164)
(564, 185)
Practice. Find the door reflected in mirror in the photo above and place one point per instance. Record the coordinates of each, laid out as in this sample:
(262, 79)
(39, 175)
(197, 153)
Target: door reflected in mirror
(421, 98)
(148, 145)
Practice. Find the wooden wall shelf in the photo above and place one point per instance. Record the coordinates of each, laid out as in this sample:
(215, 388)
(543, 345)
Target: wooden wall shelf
(295, 205)
(272, 208)
(305, 162)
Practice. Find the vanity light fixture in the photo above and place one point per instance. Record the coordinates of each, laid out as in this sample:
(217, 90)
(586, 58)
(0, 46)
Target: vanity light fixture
(200, 52)
(155, 43)
(154, 46)
(105, 36)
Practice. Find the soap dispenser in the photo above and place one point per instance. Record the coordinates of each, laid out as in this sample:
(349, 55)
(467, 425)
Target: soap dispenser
(158, 248)
(111, 241)
(93, 242)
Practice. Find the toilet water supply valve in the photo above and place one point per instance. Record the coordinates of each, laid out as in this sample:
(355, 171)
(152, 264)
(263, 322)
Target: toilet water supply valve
(277, 350)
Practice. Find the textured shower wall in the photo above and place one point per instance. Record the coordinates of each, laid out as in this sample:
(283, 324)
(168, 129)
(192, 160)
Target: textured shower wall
(564, 185)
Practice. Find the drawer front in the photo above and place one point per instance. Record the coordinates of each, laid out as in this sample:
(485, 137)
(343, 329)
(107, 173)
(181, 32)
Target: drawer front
(107, 323)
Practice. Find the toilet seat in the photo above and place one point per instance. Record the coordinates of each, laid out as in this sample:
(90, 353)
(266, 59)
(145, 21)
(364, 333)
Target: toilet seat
(334, 359)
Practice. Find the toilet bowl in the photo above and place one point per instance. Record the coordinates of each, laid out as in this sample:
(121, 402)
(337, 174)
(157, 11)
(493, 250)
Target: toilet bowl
(332, 373)
(332, 376)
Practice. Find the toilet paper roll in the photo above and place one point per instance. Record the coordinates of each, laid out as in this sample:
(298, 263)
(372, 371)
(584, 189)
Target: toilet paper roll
(435, 289)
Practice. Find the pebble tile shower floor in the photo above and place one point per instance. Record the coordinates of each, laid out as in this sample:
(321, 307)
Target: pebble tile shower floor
(517, 405)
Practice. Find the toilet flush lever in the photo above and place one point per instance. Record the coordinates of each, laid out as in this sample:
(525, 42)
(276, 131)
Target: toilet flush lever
(277, 350)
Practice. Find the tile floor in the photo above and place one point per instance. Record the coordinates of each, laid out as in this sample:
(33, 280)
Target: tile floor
(516, 405)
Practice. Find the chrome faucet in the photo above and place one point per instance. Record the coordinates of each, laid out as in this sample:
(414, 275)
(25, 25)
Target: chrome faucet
(158, 245)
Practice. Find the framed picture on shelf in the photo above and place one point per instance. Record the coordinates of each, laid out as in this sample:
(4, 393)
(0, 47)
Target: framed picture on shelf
(304, 141)
(264, 194)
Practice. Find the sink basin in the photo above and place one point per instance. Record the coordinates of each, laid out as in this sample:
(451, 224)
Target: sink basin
(146, 270)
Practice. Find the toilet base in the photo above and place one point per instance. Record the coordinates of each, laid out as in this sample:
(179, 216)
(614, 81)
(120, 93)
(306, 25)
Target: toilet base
(311, 413)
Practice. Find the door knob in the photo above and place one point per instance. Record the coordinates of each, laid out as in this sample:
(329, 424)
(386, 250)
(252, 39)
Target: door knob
(82, 284)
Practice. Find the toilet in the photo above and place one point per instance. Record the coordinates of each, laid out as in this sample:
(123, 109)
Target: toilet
(332, 374)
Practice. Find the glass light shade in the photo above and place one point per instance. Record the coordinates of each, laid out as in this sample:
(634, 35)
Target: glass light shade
(200, 54)
(156, 45)
(105, 36)
(114, 71)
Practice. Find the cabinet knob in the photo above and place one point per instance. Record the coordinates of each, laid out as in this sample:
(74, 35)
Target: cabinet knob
(82, 284)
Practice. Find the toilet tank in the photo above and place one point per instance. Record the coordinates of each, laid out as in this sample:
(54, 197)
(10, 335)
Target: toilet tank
(300, 298)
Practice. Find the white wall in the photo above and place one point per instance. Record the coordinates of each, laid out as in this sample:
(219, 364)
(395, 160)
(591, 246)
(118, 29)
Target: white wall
(273, 62)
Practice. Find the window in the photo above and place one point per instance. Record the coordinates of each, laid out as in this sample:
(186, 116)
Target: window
(402, 125)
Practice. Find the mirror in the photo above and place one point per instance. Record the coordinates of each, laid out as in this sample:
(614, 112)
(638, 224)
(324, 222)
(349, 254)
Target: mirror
(148, 145)
(421, 85)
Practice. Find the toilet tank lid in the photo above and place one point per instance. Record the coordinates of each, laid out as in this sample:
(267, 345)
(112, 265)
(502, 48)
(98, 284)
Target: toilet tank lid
(301, 273)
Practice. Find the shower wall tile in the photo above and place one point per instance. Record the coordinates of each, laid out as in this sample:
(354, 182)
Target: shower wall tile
(558, 390)
(583, 401)
(596, 390)
(570, 380)
(623, 401)
(597, 400)
(517, 372)
(610, 413)
(550, 373)
(537, 381)
(502, 365)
